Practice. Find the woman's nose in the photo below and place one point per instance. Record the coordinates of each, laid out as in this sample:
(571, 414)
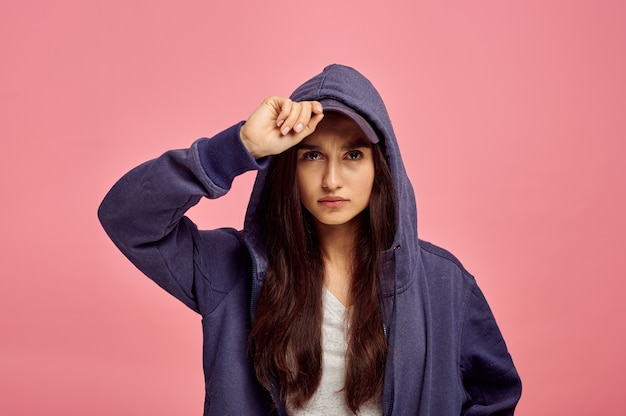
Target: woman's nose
(332, 176)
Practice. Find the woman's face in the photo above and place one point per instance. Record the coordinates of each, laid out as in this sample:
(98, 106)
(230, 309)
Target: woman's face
(335, 171)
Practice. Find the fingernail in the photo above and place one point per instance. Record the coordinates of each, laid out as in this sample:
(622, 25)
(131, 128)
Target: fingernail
(280, 123)
(298, 128)
(318, 108)
(285, 130)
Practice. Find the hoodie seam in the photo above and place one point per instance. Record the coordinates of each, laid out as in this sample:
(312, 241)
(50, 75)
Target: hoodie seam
(459, 347)
(443, 254)
(321, 86)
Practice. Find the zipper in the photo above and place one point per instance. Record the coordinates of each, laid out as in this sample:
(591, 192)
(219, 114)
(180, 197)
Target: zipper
(253, 302)
(393, 319)
(253, 289)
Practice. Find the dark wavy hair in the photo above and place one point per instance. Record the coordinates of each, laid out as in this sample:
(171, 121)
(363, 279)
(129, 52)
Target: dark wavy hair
(285, 340)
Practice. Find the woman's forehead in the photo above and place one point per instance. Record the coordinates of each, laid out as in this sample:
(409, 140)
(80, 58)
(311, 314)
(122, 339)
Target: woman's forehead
(336, 126)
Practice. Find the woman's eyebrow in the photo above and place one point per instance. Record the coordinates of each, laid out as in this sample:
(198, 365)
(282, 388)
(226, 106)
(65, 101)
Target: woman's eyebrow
(307, 146)
(356, 144)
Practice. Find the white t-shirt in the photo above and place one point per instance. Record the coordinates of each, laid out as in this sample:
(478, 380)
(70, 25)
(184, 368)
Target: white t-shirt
(329, 398)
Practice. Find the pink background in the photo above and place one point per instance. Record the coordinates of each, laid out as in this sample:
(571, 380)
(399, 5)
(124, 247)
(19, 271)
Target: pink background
(511, 117)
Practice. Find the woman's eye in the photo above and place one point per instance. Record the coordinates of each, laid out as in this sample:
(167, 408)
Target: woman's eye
(354, 155)
(311, 156)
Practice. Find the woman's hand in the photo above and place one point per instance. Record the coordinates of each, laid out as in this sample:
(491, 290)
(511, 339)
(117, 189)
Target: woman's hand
(279, 124)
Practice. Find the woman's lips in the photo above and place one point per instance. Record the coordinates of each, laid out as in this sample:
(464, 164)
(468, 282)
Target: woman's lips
(332, 201)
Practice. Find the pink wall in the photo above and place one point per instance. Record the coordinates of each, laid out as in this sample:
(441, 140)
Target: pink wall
(511, 116)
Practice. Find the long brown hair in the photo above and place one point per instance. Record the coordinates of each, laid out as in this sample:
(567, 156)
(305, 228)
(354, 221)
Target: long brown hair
(285, 340)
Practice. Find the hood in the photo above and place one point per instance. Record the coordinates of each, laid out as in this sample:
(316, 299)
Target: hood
(345, 84)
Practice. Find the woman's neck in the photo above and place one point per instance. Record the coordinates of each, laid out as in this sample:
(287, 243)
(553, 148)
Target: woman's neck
(337, 247)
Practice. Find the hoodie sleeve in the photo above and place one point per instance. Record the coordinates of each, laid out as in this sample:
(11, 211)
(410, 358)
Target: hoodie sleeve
(144, 211)
(491, 382)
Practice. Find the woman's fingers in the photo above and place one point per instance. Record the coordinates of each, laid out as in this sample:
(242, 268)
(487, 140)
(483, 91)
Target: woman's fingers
(278, 124)
(291, 120)
(295, 116)
(285, 106)
(316, 117)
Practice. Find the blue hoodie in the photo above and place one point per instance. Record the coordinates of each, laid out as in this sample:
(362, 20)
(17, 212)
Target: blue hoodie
(446, 354)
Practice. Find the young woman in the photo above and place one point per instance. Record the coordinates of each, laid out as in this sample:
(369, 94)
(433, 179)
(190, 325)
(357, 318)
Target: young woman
(327, 303)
